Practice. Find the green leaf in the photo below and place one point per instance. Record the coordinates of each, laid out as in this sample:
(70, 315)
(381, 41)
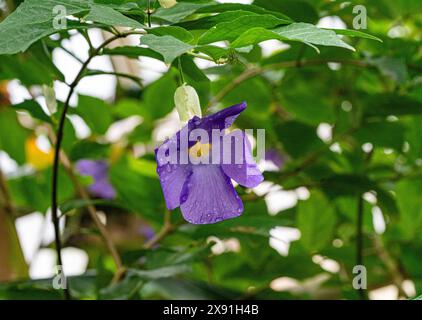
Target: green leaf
(126, 289)
(316, 220)
(12, 136)
(382, 134)
(34, 109)
(238, 7)
(110, 17)
(158, 97)
(255, 220)
(186, 289)
(169, 47)
(176, 32)
(355, 33)
(208, 22)
(95, 112)
(81, 203)
(410, 205)
(255, 92)
(33, 20)
(232, 29)
(137, 192)
(413, 137)
(69, 136)
(129, 287)
(298, 139)
(27, 192)
(85, 149)
(394, 68)
(32, 192)
(165, 272)
(195, 77)
(19, 292)
(298, 10)
(144, 167)
(31, 68)
(132, 52)
(307, 101)
(302, 32)
(180, 11)
(215, 52)
(383, 105)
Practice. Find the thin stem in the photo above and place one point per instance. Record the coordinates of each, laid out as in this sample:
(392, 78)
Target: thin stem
(93, 213)
(359, 241)
(248, 74)
(165, 230)
(397, 275)
(135, 79)
(59, 140)
(58, 144)
(114, 30)
(88, 39)
(72, 54)
(300, 55)
(182, 78)
(149, 13)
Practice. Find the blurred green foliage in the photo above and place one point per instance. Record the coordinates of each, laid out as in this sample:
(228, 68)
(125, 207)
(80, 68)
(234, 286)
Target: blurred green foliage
(364, 85)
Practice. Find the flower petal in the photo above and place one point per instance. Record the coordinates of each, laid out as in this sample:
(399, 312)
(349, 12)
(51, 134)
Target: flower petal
(172, 179)
(273, 156)
(220, 120)
(98, 170)
(241, 167)
(95, 168)
(208, 196)
(103, 189)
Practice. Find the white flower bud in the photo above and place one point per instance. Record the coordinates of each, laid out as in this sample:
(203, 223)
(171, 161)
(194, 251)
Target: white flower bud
(50, 98)
(167, 3)
(187, 103)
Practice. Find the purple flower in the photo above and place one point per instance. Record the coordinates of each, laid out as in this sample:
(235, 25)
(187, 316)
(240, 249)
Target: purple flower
(98, 170)
(273, 156)
(204, 191)
(147, 232)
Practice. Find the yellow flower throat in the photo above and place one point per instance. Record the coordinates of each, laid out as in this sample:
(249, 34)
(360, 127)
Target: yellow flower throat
(199, 150)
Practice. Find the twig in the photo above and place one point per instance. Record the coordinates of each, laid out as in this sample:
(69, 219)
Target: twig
(92, 212)
(248, 74)
(58, 144)
(74, 56)
(393, 269)
(149, 13)
(300, 55)
(88, 39)
(182, 77)
(135, 79)
(165, 230)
